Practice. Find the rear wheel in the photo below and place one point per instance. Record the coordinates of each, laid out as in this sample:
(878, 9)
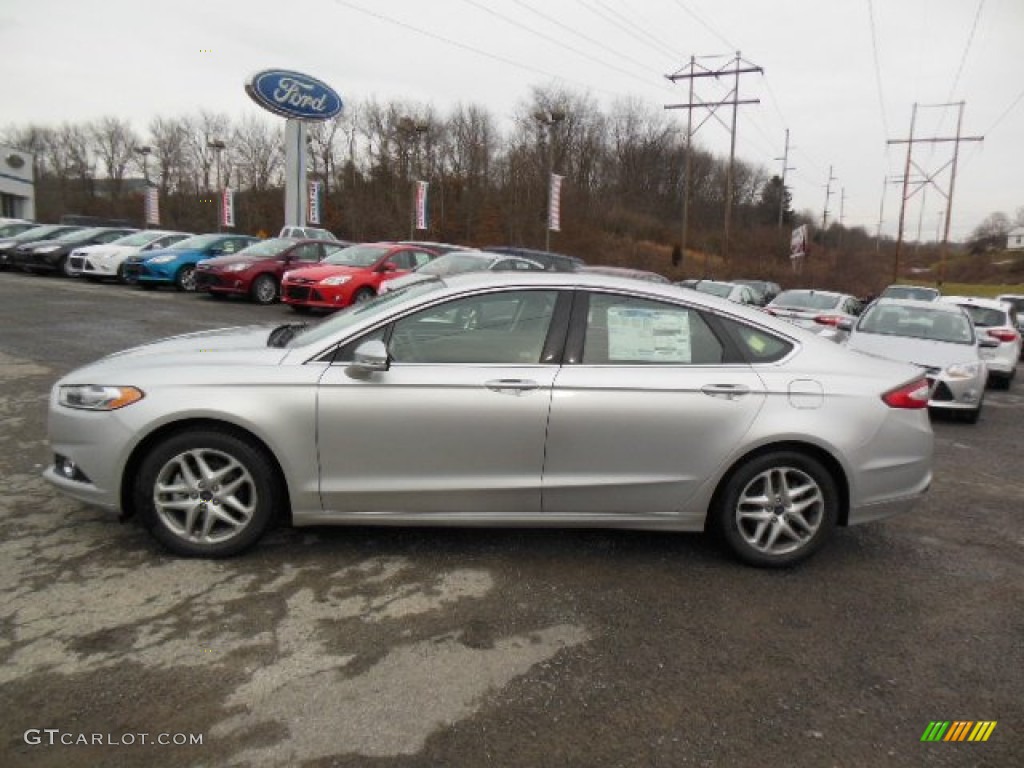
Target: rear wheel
(206, 493)
(264, 290)
(185, 280)
(777, 509)
(65, 268)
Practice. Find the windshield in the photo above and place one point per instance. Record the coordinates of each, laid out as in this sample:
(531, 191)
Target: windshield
(199, 242)
(7, 230)
(139, 238)
(357, 313)
(715, 289)
(910, 292)
(37, 233)
(270, 247)
(455, 263)
(805, 300)
(357, 255)
(917, 323)
(82, 234)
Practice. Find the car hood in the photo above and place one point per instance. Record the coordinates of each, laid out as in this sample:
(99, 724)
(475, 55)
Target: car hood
(244, 345)
(321, 271)
(111, 250)
(926, 352)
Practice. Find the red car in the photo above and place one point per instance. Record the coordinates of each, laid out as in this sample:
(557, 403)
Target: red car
(256, 271)
(351, 275)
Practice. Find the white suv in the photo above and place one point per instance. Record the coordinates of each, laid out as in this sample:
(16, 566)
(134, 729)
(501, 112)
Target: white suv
(998, 320)
(307, 233)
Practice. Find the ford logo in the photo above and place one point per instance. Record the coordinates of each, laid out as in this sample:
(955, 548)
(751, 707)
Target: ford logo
(292, 94)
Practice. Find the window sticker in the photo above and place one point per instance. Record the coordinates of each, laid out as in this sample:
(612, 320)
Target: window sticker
(648, 335)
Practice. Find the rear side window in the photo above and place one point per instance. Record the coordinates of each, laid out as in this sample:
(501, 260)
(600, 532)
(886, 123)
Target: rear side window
(756, 345)
(985, 317)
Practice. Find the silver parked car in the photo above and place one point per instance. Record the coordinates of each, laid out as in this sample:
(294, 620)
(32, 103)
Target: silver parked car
(519, 399)
(825, 313)
(936, 336)
(997, 320)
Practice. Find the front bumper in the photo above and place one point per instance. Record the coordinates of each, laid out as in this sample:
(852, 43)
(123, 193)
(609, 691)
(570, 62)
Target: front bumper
(315, 295)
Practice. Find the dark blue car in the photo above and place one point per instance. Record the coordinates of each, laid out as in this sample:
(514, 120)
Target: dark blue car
(176, 265)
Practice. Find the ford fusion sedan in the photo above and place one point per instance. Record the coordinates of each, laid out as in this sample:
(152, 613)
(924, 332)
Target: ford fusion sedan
(519, 399)
(37, 234)
(176, 265)
(98, 262)
(255, 272)
(350, 276)
(820, 312)
(937, 337)
(53, 255)
(741, 294)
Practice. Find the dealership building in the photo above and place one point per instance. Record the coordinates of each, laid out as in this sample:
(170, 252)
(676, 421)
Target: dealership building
(17, 186)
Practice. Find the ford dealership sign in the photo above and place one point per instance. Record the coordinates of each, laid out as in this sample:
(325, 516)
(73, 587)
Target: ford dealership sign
(294, 95)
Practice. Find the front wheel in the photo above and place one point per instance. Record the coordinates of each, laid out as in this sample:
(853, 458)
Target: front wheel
(264, 290)
(186, 279)
(777, 509)
(206, 493)
(363, 295)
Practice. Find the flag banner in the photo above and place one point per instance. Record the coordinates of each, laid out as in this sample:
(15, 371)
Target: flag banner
(798, 242)
(313, 202)
(227, 207)
(153, 205)
(555, 204)
(421, 205)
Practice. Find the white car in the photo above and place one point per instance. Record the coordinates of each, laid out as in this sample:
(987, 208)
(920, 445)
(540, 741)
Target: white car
(997, 320)
(307, 233)
(99, 262)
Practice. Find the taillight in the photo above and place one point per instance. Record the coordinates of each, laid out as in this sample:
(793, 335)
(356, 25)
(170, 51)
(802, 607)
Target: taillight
(913, 395)
(832, 320)
(1003, 335)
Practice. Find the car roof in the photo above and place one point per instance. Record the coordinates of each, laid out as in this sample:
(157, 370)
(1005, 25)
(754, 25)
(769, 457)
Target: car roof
(976, 301)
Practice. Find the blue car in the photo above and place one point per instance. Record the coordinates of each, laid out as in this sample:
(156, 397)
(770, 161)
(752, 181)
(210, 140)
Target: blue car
(176, 265)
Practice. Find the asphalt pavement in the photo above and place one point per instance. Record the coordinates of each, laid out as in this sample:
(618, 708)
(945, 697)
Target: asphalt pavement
(411, 647)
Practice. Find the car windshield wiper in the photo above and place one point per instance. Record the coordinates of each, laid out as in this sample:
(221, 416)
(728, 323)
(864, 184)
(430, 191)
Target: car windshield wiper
(284, 333)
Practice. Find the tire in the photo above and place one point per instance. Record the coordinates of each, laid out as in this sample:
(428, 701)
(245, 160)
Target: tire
(65, 268)
(182, 499)
(777, 509)
(363, 295)
(1001, 382)
(264, 290)
(185, 280)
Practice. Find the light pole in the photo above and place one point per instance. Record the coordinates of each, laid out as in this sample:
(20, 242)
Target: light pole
(549, 119)
(413, 129)
(145, 153)
(217, 146)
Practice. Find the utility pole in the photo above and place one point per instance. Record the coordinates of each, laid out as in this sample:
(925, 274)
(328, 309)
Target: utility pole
(929, 178)
(842, 214)
(824, 214)
(785, 167)
(691, 72)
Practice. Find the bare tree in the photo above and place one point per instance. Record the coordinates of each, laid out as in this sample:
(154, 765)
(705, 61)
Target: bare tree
(113, 141)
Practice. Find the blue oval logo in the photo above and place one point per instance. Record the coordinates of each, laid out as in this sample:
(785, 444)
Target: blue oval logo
(292, 94)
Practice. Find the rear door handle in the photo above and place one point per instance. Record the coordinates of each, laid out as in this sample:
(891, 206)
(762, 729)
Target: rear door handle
(511, 386)
(726, 391)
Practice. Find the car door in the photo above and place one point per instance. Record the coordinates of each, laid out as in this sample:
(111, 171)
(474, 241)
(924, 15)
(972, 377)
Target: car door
(646, 408)
(457, 423)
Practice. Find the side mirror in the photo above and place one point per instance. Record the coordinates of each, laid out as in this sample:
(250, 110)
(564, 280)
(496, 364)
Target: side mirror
(845, 325)
(987, 342)
(370, 356)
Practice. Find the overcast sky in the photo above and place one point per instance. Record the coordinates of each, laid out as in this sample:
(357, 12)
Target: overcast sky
(841, 75)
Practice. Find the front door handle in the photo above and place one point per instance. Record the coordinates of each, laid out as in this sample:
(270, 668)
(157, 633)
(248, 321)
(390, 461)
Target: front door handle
(511, 386)
(726, 391)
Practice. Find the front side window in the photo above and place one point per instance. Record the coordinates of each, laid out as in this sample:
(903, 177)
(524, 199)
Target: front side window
(623, 330)
(508, 327)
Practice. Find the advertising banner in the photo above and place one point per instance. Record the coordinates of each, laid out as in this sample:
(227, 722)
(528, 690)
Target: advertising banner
(421, 205)
(153, 205)
(313, 202)
(227, 207)
(555, 209)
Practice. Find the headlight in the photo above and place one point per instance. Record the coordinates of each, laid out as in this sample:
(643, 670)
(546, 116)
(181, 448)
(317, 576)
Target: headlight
(92, 397)
(236, 267)
(47, 249)
(337, 280)
(964, 370)
(162, 259)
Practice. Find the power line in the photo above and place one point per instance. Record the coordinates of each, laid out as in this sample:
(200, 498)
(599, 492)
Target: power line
(559, 43)
(967, 48)
(663, 46)
(878, 68)
(1009, 109)
(704, 24)
(618, 25)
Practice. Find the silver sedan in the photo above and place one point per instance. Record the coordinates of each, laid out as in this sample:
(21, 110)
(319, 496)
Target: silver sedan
(547, 399)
